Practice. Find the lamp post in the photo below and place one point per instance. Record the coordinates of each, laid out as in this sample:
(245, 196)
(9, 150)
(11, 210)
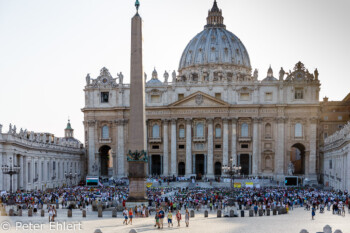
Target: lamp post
(231, 171)
(10, 170)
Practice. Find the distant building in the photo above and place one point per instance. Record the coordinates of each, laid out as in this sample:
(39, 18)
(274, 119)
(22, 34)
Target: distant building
(45, 161)
(214, 111)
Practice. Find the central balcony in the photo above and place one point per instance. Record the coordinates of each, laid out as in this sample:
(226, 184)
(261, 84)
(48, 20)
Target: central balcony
(155, 140)
(198, 139)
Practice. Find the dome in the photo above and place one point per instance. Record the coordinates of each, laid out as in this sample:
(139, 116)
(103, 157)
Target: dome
(215, 46)
(154, 80)
(269, 77)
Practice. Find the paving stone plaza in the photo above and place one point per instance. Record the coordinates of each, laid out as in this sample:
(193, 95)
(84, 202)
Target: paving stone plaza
(293, 222)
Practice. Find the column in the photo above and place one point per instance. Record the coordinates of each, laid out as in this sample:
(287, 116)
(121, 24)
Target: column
(1, 175)
(173, 147)
(210, 156)
(255, 146)
(150, 164)
(188, 146)
(165, 148)
(120, 149)
(312, 155)
(279, 156)
(91, 148)
(225, 142)
(234, 141)
(347, 170)
(21, 172)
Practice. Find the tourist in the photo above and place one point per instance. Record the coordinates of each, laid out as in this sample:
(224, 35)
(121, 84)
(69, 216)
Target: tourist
(170, 219)
(50, 213)
(178, 217)
(131, 215)
(156, 217)
(313, 212)
(161, 216)
(125, 214)
(187, 218)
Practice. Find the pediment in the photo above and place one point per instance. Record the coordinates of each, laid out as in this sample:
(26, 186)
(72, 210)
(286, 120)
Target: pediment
(199, 99)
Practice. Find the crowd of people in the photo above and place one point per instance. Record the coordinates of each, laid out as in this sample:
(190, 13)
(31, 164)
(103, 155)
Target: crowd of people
(169, 202)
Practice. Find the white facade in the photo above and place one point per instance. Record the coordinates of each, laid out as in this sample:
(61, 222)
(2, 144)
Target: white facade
(44, 159)
(336, 162)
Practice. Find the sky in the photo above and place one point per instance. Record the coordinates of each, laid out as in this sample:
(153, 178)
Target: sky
(48, 46)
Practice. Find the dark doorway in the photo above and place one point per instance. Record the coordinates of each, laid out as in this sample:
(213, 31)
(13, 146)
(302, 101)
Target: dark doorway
(181, 169)
(297, 157)
(199, 166)
(217, 170)
(156, 165)
(244, 162)
(104, 159)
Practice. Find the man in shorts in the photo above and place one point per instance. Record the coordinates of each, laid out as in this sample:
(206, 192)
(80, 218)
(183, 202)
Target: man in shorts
(125, 214)
(161, 217)
(170, 219)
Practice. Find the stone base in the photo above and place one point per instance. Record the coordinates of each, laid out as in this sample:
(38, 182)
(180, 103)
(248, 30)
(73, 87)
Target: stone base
(132, 204)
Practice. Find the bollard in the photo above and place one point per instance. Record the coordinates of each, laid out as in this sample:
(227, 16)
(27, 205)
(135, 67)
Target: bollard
(242, 213)
(132, 231)
(260, 213)
(69, 213)
(114, 213)
(268, 212)
(57, 205)
(206, 214)
(99, 213)
(338, 231)
(42, 213)
(219, 214)
(84, 213)
(20, 212)
(304, 231)
(146, 213)
(274, 212)
(97, 231)
(251, 213)
(30, 213)
(327, 229)
(192, 213)
(232, 213)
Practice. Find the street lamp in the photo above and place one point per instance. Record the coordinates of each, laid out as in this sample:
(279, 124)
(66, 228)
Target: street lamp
(231, 171)
(10, 170)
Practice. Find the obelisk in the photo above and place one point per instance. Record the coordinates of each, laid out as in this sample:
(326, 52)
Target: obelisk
(137, 157)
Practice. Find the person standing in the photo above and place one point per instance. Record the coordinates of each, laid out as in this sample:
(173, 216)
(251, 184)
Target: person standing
(131, 215)
(125, 214)
(187, 218)
(313, 213)
(50, 213)
(178, 217)
(170, 219)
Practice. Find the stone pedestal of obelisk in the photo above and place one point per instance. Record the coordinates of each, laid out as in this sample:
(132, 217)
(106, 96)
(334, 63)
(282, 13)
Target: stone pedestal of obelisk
(137, 120)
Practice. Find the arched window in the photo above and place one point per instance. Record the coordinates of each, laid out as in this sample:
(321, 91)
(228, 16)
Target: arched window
(155, 131)
(218, 131)
(182, 131)
(268, 130)
(105, 132)
(244, 130)
(298, 130)
(200, 130)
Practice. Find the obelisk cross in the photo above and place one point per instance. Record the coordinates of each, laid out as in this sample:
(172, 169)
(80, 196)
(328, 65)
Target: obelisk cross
(137, 5)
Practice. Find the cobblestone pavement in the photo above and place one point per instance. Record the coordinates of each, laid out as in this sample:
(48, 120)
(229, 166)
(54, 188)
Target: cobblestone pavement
(290, 223)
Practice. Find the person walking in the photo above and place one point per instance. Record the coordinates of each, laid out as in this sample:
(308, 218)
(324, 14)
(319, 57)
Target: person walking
(156, 217)
(313, 213)
(170, 219)
(161, 217)
(125, 214)
(187, 218)
(178, 217)
(131, 215)
(50, 213)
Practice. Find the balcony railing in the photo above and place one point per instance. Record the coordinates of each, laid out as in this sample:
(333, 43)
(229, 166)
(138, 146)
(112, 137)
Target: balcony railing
(244, 139)
(155, 140)
(105, 140)
(199, 139)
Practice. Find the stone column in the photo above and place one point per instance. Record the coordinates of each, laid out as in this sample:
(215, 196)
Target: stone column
(120, 148)
(347, 174)
(279, 156)
(188, 146)
(312, 155)
(234, 141)
(1, 175)
(173, 148)
(91, 147)
(255, 146)
(21, 173)
(225, 160)
(210, 157)
(165, 148)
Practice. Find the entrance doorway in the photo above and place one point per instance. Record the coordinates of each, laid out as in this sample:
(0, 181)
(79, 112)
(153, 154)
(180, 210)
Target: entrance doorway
(181, 169)
(217, 171)
(105, 156)
(297, 157)
(199, 166)
(156, 165)
(244, 163)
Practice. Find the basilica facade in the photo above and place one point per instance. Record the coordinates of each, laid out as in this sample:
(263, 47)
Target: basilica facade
(214, 111)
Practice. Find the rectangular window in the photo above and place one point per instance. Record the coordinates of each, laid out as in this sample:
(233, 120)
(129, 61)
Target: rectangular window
(218, 146)
(48, 171)
(42, 171)
(340, 118)
(180, 96)
(330, 164)
(181, 146)
(340, 126)
(218, 96)
(29, 169)
(36, 170)
(244, 96)
(244, 146)
(268, 96)
(299, 93)
(155, 147)
(325, 118)
(182, 133)
(298, 130)
(325, 135)
(155, 98)
(104, 97)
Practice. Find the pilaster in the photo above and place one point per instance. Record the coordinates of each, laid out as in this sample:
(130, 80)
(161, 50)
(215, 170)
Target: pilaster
(91, 147)
(234, 141)
(188, 146)
(225, 142)
(173, 147)
(210, 156)
(165, 148)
